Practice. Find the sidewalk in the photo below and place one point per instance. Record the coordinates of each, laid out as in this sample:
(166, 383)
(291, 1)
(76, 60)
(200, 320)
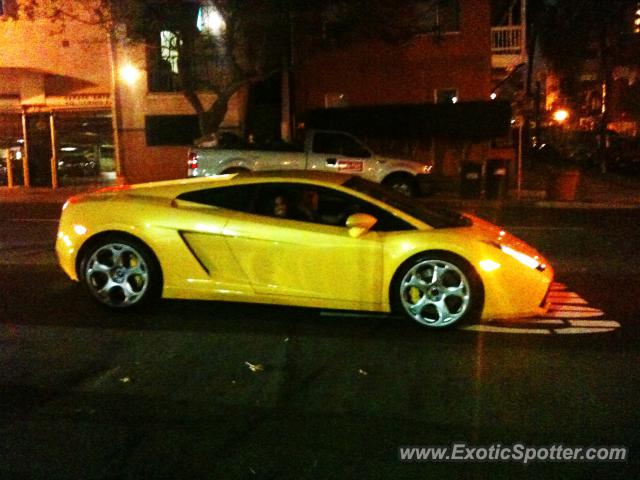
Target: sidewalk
(595, 191)
(42, 194)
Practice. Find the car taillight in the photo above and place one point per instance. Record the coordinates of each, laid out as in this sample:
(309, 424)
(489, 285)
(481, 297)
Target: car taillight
(192, 162)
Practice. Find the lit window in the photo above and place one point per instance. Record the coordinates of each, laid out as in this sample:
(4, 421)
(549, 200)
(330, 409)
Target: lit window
(169, 49)
(209, 19)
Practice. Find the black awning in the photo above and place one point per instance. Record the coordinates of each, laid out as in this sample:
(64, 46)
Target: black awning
(467, 120)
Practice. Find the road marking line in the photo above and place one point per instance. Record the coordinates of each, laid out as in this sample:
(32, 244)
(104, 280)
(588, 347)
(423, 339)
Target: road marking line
(576, 315)
(558, 286)
(573, 308)
(563, 295)
(582, 331)
(572, 301)
(497, 329)
(595, 323)
(558, 322)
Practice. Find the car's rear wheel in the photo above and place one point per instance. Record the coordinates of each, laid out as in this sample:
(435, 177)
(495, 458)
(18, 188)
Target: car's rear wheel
(437, 290)
(120, 272)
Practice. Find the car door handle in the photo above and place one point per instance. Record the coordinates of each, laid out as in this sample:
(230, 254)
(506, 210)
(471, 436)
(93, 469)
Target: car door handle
(331, 161)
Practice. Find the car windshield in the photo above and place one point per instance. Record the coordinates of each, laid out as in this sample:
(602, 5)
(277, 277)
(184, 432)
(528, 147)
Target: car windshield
(435, 217)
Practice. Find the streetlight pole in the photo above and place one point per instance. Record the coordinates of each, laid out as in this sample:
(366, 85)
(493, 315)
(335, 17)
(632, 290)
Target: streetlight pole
(115, 101)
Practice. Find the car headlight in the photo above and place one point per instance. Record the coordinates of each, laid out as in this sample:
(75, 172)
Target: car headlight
(529, 261)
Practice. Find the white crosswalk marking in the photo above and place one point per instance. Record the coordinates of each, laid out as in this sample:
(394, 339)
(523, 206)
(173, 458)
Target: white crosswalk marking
(568, 301)
(563, 295)
(568, 314)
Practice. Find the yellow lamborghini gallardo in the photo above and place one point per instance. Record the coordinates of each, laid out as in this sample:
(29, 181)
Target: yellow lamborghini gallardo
(314, 240)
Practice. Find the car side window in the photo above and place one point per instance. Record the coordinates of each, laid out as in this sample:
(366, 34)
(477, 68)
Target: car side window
(310, 203)
(237, 197)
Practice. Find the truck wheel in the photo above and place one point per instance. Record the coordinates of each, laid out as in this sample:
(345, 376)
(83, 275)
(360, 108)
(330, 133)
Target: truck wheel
(403, 183)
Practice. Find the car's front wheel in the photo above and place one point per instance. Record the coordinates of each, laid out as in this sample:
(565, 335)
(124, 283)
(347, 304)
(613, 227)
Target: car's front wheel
(120, 272)
(437, 290)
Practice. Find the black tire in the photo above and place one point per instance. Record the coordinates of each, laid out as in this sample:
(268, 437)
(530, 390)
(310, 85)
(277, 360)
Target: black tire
(120, 272)
(437, 290)
(403, 183)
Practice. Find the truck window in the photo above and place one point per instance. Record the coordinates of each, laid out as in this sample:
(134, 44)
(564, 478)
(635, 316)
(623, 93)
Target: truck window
(338, 144)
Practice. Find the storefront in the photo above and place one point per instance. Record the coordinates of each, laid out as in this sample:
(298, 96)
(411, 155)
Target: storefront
(66, 141)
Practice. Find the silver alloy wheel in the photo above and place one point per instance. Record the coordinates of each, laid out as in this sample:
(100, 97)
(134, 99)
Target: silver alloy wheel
(117, 274)
(435, 293)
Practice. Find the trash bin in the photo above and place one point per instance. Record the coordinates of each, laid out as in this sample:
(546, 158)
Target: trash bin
(470, 180)
(563, 185)
(497, 179)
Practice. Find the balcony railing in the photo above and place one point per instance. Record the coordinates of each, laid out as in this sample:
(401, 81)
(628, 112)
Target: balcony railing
(507, 40)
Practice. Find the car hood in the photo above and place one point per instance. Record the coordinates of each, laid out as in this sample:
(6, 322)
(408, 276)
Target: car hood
(492, 233)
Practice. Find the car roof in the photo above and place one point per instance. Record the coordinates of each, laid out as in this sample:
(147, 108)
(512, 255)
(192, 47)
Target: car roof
(328, 177)
(173, 188)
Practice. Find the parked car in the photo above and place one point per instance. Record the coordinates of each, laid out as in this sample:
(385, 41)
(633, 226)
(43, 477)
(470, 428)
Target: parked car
(322, 150)
(308, 239)
(77, 164)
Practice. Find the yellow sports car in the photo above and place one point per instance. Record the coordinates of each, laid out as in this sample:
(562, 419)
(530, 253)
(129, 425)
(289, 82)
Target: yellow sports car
(314, 240)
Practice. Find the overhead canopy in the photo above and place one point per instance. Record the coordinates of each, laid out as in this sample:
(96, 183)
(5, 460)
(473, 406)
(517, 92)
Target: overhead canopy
(472, 120)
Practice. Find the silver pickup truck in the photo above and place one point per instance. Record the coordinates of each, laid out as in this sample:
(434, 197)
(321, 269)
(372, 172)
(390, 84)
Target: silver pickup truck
(323, 150)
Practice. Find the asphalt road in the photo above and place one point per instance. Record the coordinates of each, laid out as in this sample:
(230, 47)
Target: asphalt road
(172, 393)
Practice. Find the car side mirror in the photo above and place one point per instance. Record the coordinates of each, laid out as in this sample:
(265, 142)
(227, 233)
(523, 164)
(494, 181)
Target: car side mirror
(360, 223)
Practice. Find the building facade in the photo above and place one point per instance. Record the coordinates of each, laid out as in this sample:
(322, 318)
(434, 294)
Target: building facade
(57, 107)
(450, 62)
(69, 98)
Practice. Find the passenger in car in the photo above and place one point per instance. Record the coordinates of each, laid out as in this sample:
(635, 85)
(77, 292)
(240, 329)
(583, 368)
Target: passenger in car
(307, 206)
(280, 207)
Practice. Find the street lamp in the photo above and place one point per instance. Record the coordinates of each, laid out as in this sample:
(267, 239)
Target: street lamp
(561, 115)
(130, 74)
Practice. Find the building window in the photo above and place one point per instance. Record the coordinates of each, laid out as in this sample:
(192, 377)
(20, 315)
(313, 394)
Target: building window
(446, 95)
(439, 16)
(163, 62)
(169, 49)
(209, 19)
(334, 100)
(171, 129)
